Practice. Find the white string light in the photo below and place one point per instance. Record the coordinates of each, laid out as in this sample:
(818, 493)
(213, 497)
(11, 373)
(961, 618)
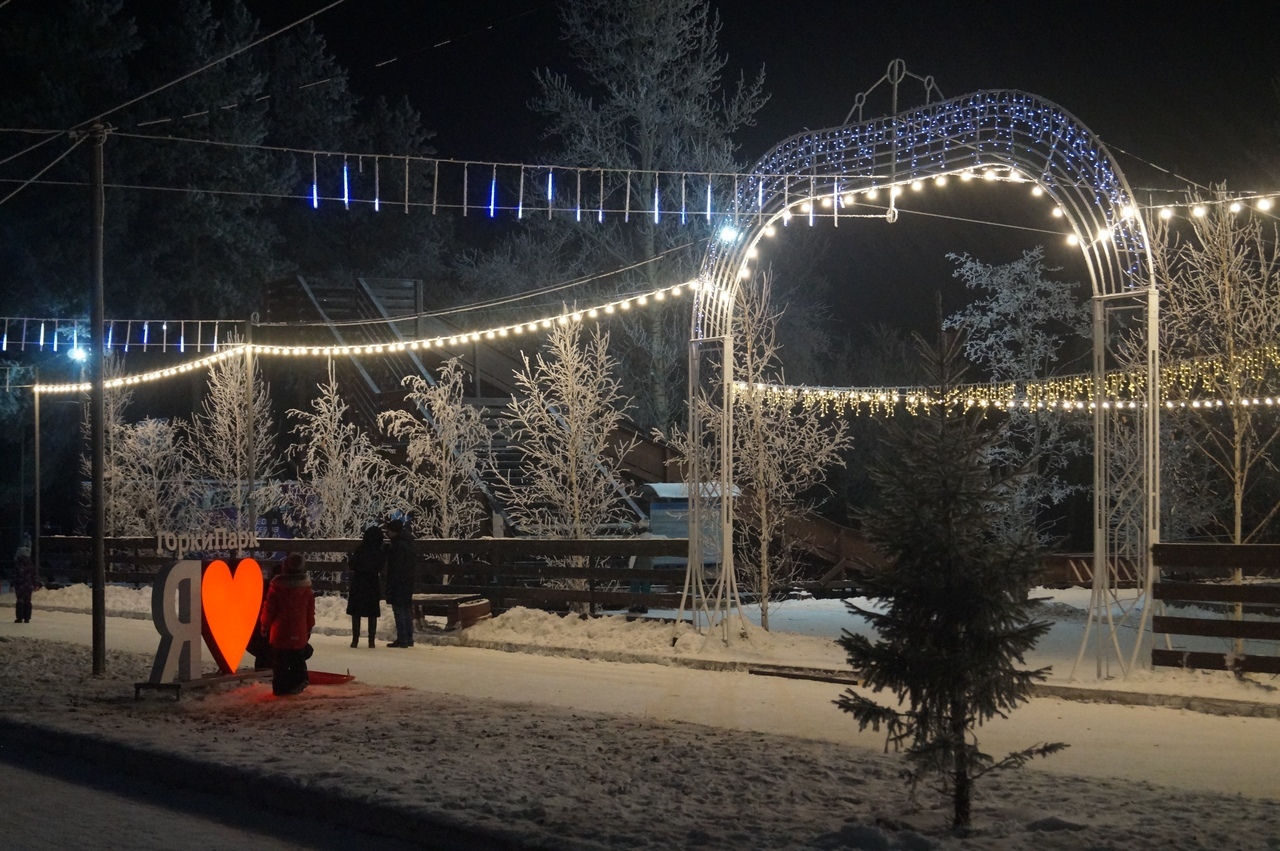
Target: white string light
(532, 326)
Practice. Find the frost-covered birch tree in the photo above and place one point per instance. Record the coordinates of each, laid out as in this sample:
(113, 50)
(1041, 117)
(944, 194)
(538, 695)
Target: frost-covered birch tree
(155, 480)
(344, 482)
(147, 478)
(446, 447)
(1219, 280)
(564, 421)
(1017, 331)
(228, 430)
(783, 449)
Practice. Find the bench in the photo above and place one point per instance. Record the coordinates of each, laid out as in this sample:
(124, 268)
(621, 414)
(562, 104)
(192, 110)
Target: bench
(459, 610)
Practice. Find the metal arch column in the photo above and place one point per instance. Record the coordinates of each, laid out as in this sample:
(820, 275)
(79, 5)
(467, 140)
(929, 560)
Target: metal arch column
(1024, 138)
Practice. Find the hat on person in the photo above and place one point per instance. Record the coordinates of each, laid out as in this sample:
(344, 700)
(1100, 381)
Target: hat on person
(373, 535)
(294, 563)
(395, 525)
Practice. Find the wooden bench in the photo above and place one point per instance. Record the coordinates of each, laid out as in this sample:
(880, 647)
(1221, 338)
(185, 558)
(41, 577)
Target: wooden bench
(459, 610)
(1214, 561)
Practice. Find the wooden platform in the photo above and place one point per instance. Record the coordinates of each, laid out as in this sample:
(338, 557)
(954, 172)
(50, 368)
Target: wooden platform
(201, 682)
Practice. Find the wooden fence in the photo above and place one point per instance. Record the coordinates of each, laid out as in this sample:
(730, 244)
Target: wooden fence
(506, 571)
(1195, 574)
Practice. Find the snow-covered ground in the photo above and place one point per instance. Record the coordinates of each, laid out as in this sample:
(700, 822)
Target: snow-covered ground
(592, 753)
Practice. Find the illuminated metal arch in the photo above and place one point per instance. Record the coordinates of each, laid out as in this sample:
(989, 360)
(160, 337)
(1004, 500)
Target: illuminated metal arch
(1022, 137)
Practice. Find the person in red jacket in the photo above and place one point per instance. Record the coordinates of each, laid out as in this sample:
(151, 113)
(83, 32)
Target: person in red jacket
(288, 616)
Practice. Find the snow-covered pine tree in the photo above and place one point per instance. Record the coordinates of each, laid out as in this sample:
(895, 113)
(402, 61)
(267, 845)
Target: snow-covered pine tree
(956, 621)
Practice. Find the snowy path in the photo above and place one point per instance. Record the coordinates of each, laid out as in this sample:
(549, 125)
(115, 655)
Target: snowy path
(1177, 748)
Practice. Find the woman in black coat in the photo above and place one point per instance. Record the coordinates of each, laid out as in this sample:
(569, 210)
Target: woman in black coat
(366, 565)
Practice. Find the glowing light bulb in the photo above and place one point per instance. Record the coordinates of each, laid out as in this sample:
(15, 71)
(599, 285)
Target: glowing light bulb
(1036, 191)
(1264, 204)
(1166, 212)
(940, 180)
(770, 230)
(1072, 239)
(1198, 211)
(1235, 207)
(872, 193)
(1057, 213)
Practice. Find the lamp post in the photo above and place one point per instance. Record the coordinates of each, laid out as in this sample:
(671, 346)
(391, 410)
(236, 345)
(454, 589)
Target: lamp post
(97, 411)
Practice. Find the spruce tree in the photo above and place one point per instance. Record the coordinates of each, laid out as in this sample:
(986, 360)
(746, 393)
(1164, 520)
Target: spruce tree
(955, 622)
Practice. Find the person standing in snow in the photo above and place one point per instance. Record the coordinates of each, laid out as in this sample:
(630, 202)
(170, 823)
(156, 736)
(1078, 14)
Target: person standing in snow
(402, 576)
(26, 580)
(288, 616)
(363, 592)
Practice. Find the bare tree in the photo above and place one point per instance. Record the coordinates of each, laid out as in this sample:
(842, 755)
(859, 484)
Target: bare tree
(1220, 319)
(564, 421)
(225, 433)
(344, 482)
(783, 447)
(446, 447)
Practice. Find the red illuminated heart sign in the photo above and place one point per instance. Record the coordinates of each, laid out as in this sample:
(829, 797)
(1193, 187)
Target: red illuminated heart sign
(231, 605)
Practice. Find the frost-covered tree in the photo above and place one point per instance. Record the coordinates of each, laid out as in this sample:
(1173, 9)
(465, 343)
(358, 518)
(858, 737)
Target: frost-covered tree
(1219, 280)
(154, 479)
(648, 97)
(954, 621)
(344, 482)
(782, 449)
(146, 471)
(564, 420)
(446, 447)
(148, 484)
(1017, 331)
(227, 432)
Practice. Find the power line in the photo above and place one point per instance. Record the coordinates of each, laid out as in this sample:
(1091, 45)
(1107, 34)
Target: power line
(35, 177)
(376, 66)
(97, 118)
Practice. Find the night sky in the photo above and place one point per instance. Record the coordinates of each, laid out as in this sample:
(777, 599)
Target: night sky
(1188, 91)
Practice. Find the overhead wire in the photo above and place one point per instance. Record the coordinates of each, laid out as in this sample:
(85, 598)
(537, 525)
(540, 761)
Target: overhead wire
(95, 119)
(24, 184)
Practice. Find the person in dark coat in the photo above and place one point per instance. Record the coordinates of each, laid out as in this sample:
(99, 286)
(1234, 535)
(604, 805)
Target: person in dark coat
(402, 575)
(26, 580)
(287, 620)
(364, 591)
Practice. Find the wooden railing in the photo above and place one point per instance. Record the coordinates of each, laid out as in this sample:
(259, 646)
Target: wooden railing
(1201, 569)
(506, 571)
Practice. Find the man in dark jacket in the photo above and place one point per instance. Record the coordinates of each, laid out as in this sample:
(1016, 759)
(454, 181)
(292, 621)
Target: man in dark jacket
(402, 575)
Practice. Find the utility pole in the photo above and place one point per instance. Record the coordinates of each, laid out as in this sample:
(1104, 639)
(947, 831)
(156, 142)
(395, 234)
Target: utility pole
(97, 413)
